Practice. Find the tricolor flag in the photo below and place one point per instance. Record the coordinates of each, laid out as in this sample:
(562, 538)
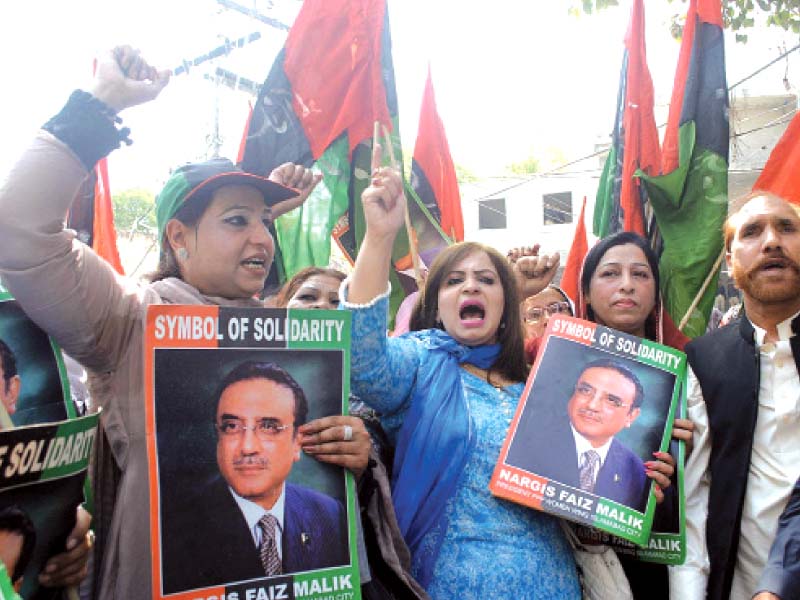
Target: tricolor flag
(433, 179)
(333, 79)
(621, 199)
(690, 199)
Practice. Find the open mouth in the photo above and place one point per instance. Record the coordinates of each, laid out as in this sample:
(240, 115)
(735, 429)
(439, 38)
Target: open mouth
(472, 313)
(255, 264)
(777, 264)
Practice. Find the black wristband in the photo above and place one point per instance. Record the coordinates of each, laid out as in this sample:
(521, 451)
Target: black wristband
(89, 127)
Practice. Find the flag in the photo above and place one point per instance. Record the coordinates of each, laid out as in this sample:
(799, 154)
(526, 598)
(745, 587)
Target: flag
(433, 180)
(104, 236)
(332, 80)
(243, 141)
(570, 278)
(621, 199)
(781, 174)
(690, 198)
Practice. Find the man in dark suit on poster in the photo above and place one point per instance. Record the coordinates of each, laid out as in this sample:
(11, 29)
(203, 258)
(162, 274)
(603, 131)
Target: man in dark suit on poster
(249, 523)
(580, 450)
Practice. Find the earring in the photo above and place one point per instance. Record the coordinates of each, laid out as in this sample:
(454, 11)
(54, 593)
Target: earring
(439, 324)
(182, 254)
(502, 325)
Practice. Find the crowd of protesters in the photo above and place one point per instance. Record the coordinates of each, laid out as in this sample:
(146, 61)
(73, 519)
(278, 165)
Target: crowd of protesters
(433, 405)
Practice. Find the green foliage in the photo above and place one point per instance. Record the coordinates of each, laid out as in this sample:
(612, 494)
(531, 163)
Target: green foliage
(525, 167)
(739, 15)
(464, 175)
(134, 211)
(590, 6)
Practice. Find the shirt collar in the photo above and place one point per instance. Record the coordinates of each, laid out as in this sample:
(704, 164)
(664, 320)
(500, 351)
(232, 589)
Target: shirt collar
(784, 330)
(253, 512)
(582, 445)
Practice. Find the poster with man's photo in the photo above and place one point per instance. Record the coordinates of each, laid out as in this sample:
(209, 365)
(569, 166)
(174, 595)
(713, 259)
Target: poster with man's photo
(238, 510)
(598, 403)
(34, 387)
(667, 543)
(42, 475)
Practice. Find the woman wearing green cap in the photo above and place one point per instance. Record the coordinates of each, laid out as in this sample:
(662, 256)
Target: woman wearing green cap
(215, 249)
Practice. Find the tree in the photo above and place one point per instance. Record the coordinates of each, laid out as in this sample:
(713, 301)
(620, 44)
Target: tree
(529, 166)
(739, 15)
(134, 212)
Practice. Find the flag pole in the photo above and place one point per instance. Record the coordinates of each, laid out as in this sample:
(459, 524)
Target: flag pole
(412, 238)
(702, 291)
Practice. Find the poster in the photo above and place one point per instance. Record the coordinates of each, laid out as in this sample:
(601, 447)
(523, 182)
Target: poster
(596, 406)
(667, 543)
(34, 387)
(42, 474)
(237, 510)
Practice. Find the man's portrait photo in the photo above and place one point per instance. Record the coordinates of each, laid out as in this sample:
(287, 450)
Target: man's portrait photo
(31, 386)
(244, 519)
(9, 379)
(579, 428)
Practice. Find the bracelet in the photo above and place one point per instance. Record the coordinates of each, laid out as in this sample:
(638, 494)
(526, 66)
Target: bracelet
(89, 127)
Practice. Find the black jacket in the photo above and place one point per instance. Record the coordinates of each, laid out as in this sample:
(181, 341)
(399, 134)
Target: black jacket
(726, 363)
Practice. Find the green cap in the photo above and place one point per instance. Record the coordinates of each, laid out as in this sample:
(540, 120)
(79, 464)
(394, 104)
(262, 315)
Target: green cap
(187, 181)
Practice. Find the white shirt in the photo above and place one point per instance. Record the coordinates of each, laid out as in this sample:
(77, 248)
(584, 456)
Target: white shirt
(774, 468)
(253, 512)
(583, 445)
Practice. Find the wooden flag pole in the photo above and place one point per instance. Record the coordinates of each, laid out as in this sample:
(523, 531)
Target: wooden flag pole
(412, 238)
(702, 291)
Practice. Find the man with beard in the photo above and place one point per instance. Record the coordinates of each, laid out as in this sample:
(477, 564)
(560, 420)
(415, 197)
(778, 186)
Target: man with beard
(744, 399)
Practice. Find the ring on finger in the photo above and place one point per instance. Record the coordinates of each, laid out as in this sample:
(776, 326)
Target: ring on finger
(348, 433)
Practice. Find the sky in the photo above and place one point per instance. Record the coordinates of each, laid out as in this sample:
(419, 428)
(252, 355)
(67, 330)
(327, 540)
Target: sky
(512, 77)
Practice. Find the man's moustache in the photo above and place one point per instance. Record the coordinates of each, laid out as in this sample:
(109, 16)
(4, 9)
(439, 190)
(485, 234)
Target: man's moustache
(777, 257)
(594, 416)
(250, 461)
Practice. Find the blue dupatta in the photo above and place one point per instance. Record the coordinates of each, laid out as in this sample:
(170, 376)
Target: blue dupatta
(434, 443)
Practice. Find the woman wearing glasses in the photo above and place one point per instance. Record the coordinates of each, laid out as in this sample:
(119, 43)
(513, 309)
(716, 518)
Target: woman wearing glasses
(536, 313)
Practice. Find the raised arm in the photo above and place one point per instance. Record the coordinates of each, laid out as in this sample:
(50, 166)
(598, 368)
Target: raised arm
(383, 370)
(69, 291)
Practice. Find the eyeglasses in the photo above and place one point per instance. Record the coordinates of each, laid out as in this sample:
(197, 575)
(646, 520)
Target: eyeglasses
(537, 313)
(587, 392)
(264, 429)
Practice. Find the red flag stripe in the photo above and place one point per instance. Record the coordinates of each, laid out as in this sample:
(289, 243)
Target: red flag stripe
(432, 154)
(104, 236)
(333, 62)
(781, 174)
(570, 279)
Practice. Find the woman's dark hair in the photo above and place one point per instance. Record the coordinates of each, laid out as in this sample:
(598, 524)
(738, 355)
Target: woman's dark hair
(15, 520)
(188, 214)
(511, 361)
(596, 254)
(290, 288)
(8, 362)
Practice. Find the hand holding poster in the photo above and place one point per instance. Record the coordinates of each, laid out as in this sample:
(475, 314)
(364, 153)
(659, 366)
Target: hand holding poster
(596, 406)
(42, 474)
(236, 508)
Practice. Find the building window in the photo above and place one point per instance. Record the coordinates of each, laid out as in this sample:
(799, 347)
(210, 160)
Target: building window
(492, 214)
(557, 208)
